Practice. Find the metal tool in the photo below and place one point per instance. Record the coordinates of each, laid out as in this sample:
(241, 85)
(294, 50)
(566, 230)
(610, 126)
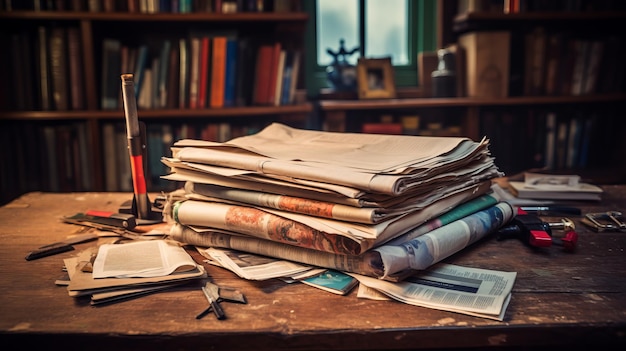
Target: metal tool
(605, 221)
(118, 220)
(124, 233)
(535, 232)
(211, 291)
(136, 136)
(216, 294)
(60, 246)
(565, 224)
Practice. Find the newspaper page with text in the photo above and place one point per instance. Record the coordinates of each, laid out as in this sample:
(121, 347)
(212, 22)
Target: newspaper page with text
(477, 292)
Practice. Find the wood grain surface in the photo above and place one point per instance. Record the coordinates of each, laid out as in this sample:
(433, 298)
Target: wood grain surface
(560, 299)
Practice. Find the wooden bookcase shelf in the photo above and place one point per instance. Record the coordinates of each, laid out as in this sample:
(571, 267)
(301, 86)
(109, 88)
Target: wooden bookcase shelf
(248, 111)
(339, 105)
(554, 16)
(272, 17)
(23, 127)
(517, 121)
(335, 112)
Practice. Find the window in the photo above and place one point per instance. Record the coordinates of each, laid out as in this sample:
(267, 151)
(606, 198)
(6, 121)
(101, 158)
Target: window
(378, 28)
(382, 32)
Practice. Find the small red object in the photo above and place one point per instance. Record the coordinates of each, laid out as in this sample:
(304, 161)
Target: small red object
(569, 240)
(98, 213)
(539, 238)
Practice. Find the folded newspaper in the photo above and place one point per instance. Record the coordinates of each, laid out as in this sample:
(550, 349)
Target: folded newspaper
(351, 163)
(476, 292)
(381, 207)
(415, 250)
(301, 230)
(343, 193)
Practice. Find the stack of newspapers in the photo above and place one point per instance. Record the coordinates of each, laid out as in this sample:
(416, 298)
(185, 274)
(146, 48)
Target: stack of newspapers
(382, 206)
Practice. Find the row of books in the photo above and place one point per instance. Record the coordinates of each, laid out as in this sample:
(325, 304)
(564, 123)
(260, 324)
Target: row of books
(523, 6)
(539, 62)
(560, 63)
(59, 151)
(155, 6)
(544, 139)
(45, 70)
(411, 125)
(205, 70)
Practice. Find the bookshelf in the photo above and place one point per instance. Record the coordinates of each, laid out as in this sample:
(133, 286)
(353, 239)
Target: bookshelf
(558, 52)
(53, 113)
(518, 123)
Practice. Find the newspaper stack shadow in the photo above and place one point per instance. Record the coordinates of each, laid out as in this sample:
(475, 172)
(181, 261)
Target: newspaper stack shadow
(377, 206)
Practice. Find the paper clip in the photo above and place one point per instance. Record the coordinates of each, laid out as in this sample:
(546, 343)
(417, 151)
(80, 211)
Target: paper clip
(605, 221)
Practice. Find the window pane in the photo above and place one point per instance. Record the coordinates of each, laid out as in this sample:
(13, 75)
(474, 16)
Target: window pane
(336, 20)
(386, 30)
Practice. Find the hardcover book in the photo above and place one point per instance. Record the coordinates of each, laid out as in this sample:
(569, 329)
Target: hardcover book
(263, 74)
(487, 58)
(218, 71)
(59, 70)
(582, 191)
(204, 64)
(230, 78)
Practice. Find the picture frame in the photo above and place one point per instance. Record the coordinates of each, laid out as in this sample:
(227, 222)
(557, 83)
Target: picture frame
(375, 78)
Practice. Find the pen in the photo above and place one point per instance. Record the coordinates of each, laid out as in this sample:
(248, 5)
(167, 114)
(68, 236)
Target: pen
(135, 146)
(548, 210)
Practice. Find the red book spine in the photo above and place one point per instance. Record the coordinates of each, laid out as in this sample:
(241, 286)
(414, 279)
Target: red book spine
(204, 72)
(382, 128)
(263, 69)
(273, 79)
(218, 73)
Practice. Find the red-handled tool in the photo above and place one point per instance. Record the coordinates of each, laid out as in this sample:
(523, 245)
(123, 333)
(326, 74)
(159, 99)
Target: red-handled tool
(135, 147)
(530, 229)
(535, 232)
(122, 220)
(140, 206)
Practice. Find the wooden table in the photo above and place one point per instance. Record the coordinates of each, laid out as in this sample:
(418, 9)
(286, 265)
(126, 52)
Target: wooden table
(559, 299)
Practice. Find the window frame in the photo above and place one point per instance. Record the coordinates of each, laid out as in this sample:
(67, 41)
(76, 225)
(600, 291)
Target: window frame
(422, 37)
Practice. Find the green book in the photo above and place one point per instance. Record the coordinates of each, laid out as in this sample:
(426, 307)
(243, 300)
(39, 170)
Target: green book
(333, 281)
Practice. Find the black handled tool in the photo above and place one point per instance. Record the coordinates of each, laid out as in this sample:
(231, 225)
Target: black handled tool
(211, 291)
(216, 294)
(534, 232)
(59, 247)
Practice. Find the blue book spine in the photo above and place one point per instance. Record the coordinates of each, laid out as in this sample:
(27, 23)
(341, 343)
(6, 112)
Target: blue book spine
(163, 73)
(285, 94)
(185, 6)
(165, 6)
(111, 73)
(231, 72)
(142, 58)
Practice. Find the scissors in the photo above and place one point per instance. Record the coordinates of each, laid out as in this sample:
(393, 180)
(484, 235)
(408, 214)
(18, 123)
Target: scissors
(216, 294)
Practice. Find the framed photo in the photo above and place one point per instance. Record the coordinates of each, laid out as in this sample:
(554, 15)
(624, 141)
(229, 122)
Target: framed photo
(375, 78)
